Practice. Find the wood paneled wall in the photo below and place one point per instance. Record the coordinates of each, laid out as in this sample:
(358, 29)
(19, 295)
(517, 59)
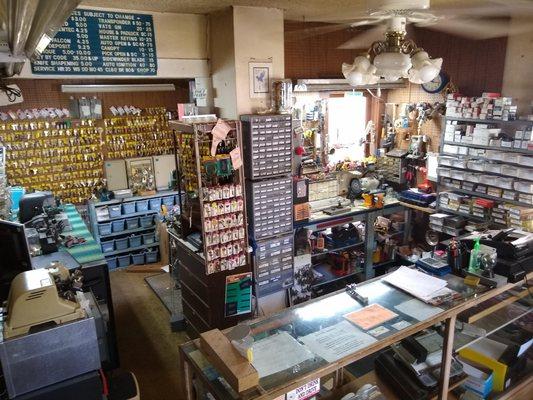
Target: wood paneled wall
(475, 66)
(40, 93)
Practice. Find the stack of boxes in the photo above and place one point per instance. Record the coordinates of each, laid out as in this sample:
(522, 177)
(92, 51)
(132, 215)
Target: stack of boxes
(488, 106)
(269, 187)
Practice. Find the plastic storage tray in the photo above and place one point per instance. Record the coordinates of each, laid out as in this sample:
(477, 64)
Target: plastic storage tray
(524, 187)
(141, 205)
(135, 241)
(168, 201)
(476, 165)
(124, 261)
(137, 259)
(128, 208)
(148, 238)
(267, 148)
(111, 262)
(269, 207)
(114, 211)
(147, 222)
(121, 244)
(132, 223)
(151, 256)
(104, 229)
(155, 204)
(493, 167)
(446, 172)
(118, 226)
(501, 182)
(107, 246)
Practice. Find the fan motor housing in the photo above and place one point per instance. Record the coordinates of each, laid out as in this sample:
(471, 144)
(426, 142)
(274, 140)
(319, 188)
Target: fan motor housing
(397, 5)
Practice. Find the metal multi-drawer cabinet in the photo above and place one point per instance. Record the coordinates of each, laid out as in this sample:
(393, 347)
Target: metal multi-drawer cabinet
(273, 265)
(267, 145)
(270, 207)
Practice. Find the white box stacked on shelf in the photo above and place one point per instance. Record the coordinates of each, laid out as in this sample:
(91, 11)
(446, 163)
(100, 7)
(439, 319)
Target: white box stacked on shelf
(488, 106)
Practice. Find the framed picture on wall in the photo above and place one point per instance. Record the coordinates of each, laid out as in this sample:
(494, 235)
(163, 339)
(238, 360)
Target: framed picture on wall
(260, 73)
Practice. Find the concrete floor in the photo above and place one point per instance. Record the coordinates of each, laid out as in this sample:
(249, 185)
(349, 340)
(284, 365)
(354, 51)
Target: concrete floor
(146, 345)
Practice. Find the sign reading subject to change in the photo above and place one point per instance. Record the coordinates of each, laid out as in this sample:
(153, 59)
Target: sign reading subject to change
(93, 42)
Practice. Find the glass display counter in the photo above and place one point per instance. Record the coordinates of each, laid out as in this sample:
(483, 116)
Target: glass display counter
(320, 337)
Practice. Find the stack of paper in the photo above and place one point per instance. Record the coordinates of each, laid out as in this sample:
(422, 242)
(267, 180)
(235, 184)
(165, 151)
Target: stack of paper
(418, 284)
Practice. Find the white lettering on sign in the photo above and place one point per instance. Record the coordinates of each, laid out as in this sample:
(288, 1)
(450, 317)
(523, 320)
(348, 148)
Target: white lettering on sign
(306, 391)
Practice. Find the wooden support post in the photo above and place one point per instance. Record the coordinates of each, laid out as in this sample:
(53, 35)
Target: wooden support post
(186, 377)
(446, 362)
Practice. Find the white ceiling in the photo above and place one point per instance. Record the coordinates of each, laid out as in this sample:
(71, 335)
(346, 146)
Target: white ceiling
(294, 9)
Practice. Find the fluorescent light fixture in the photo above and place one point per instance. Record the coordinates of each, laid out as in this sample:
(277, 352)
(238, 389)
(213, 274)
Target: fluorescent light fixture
(149, 87)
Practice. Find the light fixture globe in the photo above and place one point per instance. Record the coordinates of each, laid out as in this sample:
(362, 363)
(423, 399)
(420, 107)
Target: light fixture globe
(361, 72)
(392, 66)
(424, 69)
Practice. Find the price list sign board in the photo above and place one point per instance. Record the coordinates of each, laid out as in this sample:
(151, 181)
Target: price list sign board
(93, 42)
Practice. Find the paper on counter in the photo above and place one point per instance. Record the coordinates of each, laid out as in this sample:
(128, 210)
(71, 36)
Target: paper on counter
(277, 353)
(418, 309)
(337, 341)
(416, 283)
(370, 316)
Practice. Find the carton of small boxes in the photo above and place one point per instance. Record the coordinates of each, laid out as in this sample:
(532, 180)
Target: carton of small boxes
(488, 106)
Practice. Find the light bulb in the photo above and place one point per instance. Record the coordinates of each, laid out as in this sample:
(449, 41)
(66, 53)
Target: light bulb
(355, 78)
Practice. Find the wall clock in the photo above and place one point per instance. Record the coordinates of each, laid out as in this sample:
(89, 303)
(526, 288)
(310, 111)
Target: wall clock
(437, 84)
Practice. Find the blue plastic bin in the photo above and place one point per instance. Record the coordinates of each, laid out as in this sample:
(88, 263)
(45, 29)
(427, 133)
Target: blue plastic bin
(155, 204)
(141, 205)
(148, 238)
(107, 246)
(147, 222)
(168, 201)
(132, 223)
(128, 208)
(151, 256)
(114, 211)
(137, 259)
(111, 262)
(104, 229)
(135, 241)
(124, 261)
(118, 226)
(121, 244)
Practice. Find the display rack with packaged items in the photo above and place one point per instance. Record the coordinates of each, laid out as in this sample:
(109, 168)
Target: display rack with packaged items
(213, 179)
(138, 136)
(488, 163)
(62, 156)
(211, 240)
(5, 203)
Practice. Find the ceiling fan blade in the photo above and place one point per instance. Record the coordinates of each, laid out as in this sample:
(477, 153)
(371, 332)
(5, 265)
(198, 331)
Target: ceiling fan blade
(478, 29)
(344, 15)
(486, 8)
(365, 38)
(301, 34)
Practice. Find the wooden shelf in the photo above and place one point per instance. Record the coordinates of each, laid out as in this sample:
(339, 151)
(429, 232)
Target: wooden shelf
(418, 208)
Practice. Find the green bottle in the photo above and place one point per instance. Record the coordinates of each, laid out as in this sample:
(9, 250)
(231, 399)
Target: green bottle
(472, 265)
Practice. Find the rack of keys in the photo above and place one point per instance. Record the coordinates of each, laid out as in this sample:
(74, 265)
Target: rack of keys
(63, 156)
(138, 135)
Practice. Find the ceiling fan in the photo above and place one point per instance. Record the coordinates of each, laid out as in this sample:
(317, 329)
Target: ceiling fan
(472, 19)
(395, 56)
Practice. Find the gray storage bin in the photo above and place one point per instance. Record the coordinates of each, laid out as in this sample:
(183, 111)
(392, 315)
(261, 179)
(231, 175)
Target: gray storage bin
(108, 246)
(151, 256)
(137, 259)
(155, 204)
(121, 244)
(114, 211)
(111, 262)
(124, 261)
(132, 223)
(148, 238)
(104, 229)
(135, 241)
(141, 205)
(147, 222)
(168, 201)
(118, 226)
(128, 208)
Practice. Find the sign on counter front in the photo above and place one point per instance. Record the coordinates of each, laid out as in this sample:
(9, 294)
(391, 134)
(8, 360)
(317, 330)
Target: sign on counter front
(93, 42)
